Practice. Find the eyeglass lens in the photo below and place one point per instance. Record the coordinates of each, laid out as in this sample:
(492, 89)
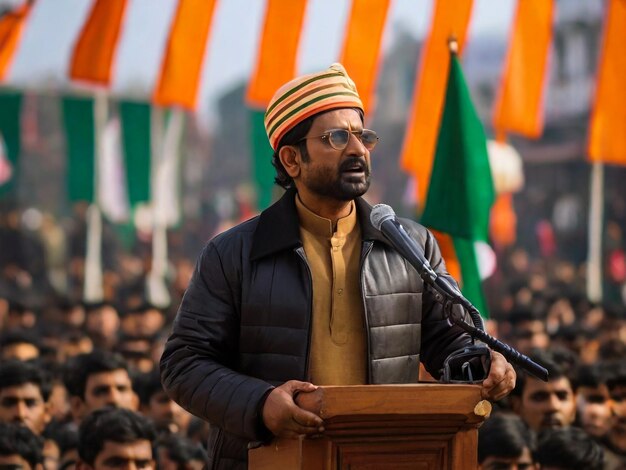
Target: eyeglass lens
(339, 138)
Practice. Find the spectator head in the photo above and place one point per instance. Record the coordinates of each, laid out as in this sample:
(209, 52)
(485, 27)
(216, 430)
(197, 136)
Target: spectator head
(528, 330)
(24, 393)
(544, 405)
(616, 384)
(568, 449)
(143, 320)
(19, 344)
(96, 380)
(20, 316)
(74, 343)
(505, 442)
(136, 350)
(166, 414)
(72, 313)
(174, 452)
(592, 400)
(66, 437)
(20, 448)
(112, 437)
(102, 323)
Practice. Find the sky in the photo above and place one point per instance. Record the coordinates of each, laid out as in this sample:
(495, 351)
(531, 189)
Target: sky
(43, 55)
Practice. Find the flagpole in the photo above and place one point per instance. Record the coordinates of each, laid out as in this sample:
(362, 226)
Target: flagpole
(596, 214)
(93, 287)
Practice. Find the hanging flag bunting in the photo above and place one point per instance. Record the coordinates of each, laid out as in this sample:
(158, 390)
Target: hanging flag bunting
(361, 46)
(278, 50)
(450, 19)
(181, 67)
(519, 107)
(112, 193)
(10, 132)
(135, 119)
(276, 65)
(78, 123)
(11, 27)
(94, 51)
(607, 139)
(461, 190)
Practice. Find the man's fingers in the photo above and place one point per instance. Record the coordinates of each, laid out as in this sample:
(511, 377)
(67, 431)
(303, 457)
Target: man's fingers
(306, 418)
(297, 386)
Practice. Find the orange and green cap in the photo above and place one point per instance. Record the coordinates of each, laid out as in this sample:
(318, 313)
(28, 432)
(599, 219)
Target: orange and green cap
(308, 95)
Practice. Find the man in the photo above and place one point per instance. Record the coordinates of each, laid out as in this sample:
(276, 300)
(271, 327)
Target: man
(545, 405)
(505, 443)
(115, 438)
(593, 408)
(24, 393)
(102, 324)
(21, 345)
(616, 438)
(568, 449)
(309, 292)
(20, 449)
(96, 380)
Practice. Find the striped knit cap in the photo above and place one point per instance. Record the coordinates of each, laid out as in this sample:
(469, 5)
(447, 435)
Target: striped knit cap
(308, 95)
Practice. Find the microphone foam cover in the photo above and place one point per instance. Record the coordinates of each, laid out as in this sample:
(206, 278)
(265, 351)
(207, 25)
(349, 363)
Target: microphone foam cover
(381, 213)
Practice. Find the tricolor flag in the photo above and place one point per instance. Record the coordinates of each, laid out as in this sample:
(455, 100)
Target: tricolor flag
(461, 190)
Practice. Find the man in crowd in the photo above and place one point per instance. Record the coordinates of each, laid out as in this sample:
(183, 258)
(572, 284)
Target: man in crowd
(506, 443)
(545, 405)
(96, 380)
(24, 393)
(20, 448)
(115, 438)
(309, 292)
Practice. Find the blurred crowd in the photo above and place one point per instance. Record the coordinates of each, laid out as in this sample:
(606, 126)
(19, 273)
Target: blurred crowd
(79, 381)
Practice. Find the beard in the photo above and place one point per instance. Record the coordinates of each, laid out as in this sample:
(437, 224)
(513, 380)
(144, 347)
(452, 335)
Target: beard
(350, 180)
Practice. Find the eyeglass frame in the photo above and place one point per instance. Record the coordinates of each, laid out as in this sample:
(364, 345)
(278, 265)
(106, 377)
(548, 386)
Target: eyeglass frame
(357, 134)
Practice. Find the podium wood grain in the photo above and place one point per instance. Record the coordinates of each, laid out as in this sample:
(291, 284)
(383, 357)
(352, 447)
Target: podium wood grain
(423, 426)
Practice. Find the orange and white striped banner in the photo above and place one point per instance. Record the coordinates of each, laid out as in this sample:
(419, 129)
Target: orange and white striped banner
(361, 47)
(11, 27)
(180, 72)
(276, 60)
(94, 51)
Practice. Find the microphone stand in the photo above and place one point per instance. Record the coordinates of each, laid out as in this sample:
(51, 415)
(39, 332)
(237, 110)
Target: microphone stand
(448, 296)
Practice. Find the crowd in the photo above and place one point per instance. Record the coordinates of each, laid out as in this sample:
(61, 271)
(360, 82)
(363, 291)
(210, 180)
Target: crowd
(80, 386)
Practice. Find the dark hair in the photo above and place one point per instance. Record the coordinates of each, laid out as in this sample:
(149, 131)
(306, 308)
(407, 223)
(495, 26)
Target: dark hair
(19, 440)
(505, 436)
(558, 362)
(569, 448)
(294, 137)
(64, 434)
(79, 368)
(19, 336)
(592, 375)
(14, 373)
(148, 385)
(617, 375)
(111, 424)
(181, 450)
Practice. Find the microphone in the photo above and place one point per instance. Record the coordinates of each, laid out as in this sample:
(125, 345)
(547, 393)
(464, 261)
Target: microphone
(384, 219)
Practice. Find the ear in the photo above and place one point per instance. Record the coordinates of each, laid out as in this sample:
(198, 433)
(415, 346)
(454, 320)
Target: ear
(290, 158)
(516, 404)
(77, 408)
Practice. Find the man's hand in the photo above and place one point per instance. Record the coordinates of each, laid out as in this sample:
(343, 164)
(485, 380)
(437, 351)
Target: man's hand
(284, 418)
(501, 378)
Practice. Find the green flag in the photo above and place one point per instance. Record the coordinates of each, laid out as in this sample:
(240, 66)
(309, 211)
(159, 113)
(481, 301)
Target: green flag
(78, 120)
(261, 160)
(135, 119)
(461, 189)
(10, 108)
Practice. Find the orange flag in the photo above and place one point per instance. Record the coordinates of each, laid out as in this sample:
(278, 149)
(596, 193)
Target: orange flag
(361, 45)
(450, 18)
(93, 53)
(11, 26)
(607, 139)
(276, 62)
(181, 67)
(519, 105)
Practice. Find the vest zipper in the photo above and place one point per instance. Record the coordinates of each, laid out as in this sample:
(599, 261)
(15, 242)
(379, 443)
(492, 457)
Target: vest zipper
(367, 248)
(301, 254)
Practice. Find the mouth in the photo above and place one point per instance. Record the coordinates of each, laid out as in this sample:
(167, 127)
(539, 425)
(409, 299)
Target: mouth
(356, 169)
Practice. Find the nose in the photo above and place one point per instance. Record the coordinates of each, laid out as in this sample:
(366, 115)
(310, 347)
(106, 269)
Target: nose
(355, 147)
(20, 411)
(554, 404)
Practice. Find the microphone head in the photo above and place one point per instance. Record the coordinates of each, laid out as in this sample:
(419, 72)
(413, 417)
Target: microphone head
(381, 213)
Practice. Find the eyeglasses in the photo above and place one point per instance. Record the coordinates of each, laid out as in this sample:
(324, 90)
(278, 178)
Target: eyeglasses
(339, 138)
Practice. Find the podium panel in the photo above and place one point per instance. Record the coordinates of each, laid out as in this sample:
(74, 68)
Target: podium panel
(424, 426)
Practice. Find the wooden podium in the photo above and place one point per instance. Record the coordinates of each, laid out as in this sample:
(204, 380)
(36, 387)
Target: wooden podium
(425, 426)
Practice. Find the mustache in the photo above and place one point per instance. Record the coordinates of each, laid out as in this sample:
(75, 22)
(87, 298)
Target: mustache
(355, 163)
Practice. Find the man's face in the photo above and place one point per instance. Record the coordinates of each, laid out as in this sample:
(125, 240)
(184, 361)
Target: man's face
(546, 404)
(617, 434)
(20, 351)
(111, 388)
(594, 411)
(14, 461)
(335, 174)
(166, 413)
(103, 322)
(529, 335)
(24, 404)
(129, 456)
